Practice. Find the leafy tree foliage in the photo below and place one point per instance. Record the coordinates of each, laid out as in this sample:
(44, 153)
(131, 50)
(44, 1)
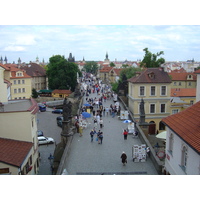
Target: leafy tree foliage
(151, 60)
(112, 64)
(61, 73)
(34, 93)
(91, 67)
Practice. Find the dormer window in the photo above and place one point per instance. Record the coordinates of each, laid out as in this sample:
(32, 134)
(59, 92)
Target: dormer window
(190, 76)
(19, 74)
(151, 75)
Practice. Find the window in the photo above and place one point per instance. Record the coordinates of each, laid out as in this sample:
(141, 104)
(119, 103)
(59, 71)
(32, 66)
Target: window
(142, 90)
(152, 108)
(179, 83)
(15, 82)
(23, 81)
(174, 83)
(171, 143)
(15, 90)
(162, 108)
(175, 111)
(153, 90)
(183, 164)
(18, 81)
(163, 90)
(23, 89)
(19, 90)
(191, 102)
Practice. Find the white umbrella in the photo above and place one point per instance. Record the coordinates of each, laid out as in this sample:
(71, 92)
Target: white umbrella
(162, 135)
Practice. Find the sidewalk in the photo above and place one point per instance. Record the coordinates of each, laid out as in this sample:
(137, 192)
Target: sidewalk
(88, 157)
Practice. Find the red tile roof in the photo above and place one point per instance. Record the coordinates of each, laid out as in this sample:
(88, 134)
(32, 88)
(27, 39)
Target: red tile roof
(151, 75)
(197, 71)
(106, 69)
(183, 92)
(186, 125)
(182, 76)
(117, 70)
(13, 152)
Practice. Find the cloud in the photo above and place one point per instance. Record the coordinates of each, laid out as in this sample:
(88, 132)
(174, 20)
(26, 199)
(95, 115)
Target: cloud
(14, 48)
(25, 40)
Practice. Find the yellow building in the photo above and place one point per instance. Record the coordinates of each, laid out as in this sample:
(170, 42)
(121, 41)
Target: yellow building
(18, 137)
(110, 74)
(183, 80)
(61, 93)
(182, 98)
(153, 85)
(20, 80)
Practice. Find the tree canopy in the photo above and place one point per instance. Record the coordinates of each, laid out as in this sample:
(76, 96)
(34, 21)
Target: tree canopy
(91, 67)
(151, 60)
(61, 73)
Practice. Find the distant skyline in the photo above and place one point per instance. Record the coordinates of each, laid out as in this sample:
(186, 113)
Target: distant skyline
(122, 42)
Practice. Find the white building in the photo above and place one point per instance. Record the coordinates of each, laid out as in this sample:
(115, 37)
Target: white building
(183, 142)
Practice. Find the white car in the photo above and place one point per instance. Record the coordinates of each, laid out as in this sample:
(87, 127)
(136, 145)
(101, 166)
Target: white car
(45, 140)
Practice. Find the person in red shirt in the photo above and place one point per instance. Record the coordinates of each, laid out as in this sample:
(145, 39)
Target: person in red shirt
(125, 133)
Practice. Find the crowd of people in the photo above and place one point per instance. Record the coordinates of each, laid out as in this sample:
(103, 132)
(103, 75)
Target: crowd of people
(95, 106)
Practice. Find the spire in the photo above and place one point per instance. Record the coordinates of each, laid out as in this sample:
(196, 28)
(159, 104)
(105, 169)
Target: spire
(1, 61)
(5, 60)
(19, 61)
(106, 55)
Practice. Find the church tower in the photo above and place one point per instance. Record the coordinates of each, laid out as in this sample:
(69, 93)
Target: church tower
(106, 59)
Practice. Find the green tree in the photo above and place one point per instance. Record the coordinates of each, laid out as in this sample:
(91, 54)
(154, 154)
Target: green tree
(61, 73)
(91, 67)
(34, 93)
(151, 60)
(112, 64)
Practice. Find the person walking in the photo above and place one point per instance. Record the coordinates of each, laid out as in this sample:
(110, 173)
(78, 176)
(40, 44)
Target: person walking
(124, 158)
(125, 133)
(101, 123)
(100, 137)
(92, 135)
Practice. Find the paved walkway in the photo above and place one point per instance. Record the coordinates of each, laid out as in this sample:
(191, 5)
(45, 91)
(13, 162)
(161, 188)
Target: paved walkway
(88, 157)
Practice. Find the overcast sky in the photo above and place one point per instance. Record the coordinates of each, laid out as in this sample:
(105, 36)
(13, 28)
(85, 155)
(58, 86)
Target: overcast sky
(179, 42)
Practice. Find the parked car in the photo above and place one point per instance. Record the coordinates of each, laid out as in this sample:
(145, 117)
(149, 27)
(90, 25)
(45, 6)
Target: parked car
(40, 133)
(45, 140)
(59, 120)
(57, 111)
(42, 108)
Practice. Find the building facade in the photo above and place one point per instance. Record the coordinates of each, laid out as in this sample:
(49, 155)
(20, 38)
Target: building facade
(183, 142)
(18, 127)
(153, 85)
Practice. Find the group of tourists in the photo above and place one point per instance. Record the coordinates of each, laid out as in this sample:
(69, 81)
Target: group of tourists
(99, 135)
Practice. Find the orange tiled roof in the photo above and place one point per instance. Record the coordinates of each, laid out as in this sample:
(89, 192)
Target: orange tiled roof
(117, 70)
(106, 69)
(13, 152)
(197, 71)
(183, 92)
(186, 124)
(182, 76)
